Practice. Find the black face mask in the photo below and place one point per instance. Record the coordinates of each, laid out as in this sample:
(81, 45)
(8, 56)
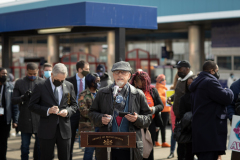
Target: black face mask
(57, 83)
(96, 85)
(181, 75)
(3, 79)
(216, 74)
(84, 73)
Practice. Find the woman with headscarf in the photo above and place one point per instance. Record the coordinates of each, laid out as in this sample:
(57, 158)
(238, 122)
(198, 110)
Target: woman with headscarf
(141, 80)
(161, 88)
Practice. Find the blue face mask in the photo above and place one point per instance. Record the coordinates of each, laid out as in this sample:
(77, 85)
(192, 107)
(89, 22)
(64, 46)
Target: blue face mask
(47, 74)
(32, 78)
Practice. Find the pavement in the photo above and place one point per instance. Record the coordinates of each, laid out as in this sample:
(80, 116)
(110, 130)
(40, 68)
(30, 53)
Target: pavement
(160, 153)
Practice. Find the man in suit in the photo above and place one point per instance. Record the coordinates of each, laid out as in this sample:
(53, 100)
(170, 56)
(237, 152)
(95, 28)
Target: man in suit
(54, 100)
(79, 84)
(8, 112)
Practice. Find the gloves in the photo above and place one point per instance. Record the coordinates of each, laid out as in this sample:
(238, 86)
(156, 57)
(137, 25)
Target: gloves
(27, 96)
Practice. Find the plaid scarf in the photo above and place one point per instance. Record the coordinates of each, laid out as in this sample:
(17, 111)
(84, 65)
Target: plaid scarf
(124, 94)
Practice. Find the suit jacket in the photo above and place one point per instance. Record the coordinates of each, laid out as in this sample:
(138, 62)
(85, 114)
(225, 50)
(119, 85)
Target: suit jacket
(42, 99)
(75, 118)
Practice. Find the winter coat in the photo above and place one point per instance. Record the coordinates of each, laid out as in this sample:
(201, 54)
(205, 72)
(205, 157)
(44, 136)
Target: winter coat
(235, 87)
(105, 80)
(179, 92)
(162, 93)
(158, 104)
(11, 112)
(28, 121)
(209, 122)
(185, 104)
(103, 104)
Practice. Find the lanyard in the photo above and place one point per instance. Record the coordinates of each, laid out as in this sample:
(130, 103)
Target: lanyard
(1, 96)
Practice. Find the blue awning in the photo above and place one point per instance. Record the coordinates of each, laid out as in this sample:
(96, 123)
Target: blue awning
(81, 14)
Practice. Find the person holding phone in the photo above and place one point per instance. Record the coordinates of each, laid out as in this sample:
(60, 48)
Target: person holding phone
(121, 97)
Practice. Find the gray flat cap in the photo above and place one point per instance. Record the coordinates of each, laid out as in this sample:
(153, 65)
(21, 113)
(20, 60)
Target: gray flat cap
(121, 66)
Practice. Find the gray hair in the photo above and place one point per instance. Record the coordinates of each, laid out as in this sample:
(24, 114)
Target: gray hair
(59, 68)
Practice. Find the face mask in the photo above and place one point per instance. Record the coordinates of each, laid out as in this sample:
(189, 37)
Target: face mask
(97, 85)
(181, 74)
(32, 78)
(232, 76)
(84, 73)
(3, 79)
(100, 74)
(57, 83)
(47, 74)
(217, 75)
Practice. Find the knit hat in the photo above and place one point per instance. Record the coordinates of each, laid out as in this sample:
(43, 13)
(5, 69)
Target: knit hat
(101, 67)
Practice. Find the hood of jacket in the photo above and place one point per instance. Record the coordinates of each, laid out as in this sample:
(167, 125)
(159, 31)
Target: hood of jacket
(202, 76)
(105, 77)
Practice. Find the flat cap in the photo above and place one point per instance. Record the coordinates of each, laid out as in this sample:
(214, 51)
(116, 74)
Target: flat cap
(122, 66)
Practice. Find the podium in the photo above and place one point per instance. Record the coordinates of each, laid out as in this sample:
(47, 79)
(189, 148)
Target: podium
(108, 140)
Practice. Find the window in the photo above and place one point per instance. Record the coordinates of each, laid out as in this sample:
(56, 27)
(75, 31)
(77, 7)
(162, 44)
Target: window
(236, 62)
(224, 62)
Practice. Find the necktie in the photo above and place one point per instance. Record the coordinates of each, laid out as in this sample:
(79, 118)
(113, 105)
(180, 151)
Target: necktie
(81, 86)
(56, 95)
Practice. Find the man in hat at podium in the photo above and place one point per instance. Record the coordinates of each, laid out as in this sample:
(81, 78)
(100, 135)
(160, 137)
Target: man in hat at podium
(106, 116)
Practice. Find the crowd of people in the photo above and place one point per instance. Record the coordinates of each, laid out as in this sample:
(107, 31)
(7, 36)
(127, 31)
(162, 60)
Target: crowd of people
(54, 109)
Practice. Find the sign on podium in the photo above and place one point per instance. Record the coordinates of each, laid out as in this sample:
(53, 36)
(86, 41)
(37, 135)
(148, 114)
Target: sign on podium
(108, 140)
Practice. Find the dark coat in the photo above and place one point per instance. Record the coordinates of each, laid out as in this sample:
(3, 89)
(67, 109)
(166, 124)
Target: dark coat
(28, 121)
(12, 111)
(209, 123)
(103, 103)
(235, 87)
(158, 106)
(185, 104)
(105, 80)
(76, 116)
(42, 99)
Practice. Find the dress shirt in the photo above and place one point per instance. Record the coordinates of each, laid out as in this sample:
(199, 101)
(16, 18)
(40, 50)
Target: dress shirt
(78, 85)
(60, 92)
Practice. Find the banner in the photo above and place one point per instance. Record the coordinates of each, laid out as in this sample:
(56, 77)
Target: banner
(234, 140)
(168, 94)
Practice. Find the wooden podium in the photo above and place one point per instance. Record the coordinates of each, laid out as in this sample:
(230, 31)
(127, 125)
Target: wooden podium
(108, 140)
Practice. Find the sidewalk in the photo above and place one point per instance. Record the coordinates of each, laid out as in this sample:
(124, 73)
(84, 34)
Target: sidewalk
(160, 153)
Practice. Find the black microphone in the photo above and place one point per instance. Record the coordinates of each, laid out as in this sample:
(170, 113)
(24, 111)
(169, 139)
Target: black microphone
(115, 90)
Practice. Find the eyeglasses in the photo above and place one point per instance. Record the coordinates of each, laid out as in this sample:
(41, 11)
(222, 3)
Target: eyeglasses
(122, 72)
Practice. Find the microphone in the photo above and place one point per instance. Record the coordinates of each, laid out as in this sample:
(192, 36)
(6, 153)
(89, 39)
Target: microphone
(115, 91)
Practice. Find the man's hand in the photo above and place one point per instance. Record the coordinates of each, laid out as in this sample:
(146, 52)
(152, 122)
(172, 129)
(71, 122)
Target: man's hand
(53, 110)
(131, 118)
(169, 101)
(26, 96)
(14, 125)
(106, 119)
(63, 113)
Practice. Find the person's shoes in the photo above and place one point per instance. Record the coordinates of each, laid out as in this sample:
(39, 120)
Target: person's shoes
(157, 144)
(170, 156)
(165, 144)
